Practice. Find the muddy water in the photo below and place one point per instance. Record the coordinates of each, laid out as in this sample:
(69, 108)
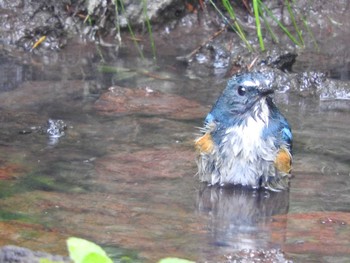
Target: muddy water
(125, 178)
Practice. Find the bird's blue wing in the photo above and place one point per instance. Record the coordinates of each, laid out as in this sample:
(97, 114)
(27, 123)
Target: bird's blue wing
(285, 132)
(279, 128)
(287, 136)
(209, 119)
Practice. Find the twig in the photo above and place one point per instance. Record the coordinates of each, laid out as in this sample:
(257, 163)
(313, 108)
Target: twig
(152, 75)
(251, 65)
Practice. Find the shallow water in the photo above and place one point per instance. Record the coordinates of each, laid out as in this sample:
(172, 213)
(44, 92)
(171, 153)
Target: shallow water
(126, 181)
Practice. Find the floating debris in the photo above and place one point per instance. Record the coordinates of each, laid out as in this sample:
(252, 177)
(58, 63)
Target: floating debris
(56, 128)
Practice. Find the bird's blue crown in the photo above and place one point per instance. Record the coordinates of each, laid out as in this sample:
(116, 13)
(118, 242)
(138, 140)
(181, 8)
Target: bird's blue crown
(242, 98)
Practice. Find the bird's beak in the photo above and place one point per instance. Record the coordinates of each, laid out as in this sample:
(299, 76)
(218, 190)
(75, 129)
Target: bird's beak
(266, 91)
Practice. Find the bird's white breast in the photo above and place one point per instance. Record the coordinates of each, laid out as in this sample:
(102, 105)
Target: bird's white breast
(247, 154)
(247, 138)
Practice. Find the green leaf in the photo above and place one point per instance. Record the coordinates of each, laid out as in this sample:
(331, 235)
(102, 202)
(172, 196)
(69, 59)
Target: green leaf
(235, 26)
(284, 29)
(258, 25)
(175, 260)
(97, 258)
(84, 251)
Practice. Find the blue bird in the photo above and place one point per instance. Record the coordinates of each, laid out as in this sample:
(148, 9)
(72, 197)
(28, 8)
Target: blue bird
(245, 139)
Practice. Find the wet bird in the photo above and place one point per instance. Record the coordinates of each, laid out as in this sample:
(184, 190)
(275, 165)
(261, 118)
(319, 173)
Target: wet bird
(245, 139)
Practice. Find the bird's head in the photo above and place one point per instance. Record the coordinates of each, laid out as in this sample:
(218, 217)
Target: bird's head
(244, 95)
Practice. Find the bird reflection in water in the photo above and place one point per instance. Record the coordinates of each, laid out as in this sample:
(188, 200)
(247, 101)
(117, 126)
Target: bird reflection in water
(238, 218)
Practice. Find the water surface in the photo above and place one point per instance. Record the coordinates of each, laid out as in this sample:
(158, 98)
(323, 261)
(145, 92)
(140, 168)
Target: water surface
(127, 181)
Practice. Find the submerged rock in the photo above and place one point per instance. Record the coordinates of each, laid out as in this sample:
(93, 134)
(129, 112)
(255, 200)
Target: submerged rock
(258, 255)
(11, 254)
(317, 233)
(119, 100)
(9, 171)
(147, 164)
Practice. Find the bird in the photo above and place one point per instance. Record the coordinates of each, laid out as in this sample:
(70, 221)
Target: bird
(245, 139)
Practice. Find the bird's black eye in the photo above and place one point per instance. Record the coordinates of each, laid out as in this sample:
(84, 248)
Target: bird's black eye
(241, 91)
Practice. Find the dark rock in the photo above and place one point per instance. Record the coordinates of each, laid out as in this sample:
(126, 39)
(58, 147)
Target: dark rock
(26, 22)
(309, 83)
(335, 90)
(156, 11)
(282, 60)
